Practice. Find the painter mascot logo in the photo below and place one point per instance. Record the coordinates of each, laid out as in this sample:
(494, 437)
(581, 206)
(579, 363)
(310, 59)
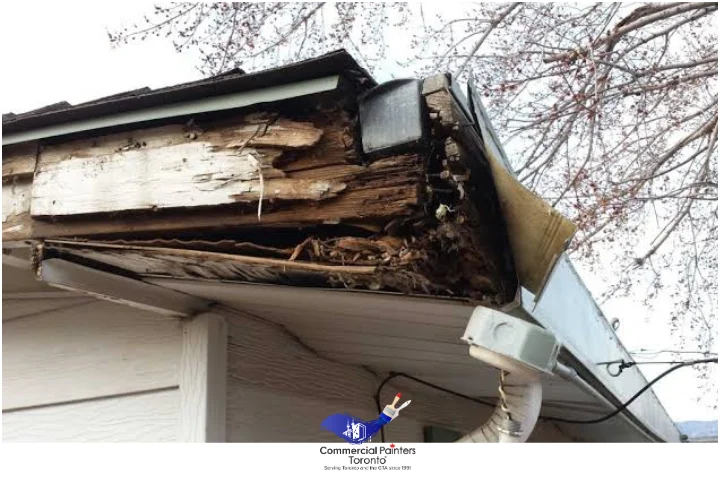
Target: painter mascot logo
(356, 431)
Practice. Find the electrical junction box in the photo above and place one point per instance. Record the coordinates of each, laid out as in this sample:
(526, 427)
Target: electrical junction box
(509, 343)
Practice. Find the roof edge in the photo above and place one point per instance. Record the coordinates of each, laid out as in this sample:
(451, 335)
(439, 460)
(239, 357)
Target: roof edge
(333, 63)
(203, 105)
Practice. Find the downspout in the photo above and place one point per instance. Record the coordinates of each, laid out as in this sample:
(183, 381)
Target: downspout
(523, 353)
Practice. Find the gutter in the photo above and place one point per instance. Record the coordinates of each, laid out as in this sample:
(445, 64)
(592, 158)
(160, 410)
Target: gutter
(551, 293)
(571, 375)
(566, 308)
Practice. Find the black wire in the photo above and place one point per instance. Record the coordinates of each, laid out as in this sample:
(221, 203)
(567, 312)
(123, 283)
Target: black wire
(392, 375)
(377, 401)
(633, 363)
(622, 364)
(634, 397)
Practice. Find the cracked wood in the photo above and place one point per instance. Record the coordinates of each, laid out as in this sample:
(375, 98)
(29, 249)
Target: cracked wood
(176, 177)
(166, 168)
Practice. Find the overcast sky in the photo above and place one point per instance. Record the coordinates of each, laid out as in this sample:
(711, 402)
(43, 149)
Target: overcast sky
(60, 51)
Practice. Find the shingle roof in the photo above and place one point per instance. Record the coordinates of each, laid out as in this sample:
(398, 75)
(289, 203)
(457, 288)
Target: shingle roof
(235, 80)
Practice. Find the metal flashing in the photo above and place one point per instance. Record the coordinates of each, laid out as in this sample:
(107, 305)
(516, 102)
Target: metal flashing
(210, 104)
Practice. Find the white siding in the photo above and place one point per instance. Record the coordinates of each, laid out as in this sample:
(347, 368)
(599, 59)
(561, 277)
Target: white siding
(92, 371)
(203, 374)
(279, 390)
(96, 349)
(144, 417)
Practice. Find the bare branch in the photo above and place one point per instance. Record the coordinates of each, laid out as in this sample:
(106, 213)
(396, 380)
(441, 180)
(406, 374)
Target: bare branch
(493, 25)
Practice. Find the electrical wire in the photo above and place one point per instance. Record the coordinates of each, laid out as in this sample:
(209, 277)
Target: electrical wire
(634, 397)
(650, 362)
(654, 353)
(622, 364)
(622, 407)
(392, 375)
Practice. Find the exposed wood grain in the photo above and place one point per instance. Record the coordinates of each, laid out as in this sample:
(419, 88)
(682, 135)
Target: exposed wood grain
(92, 350)
(143, 417)
(194, 174)
(16, 222)
(383, 203)
(179, 177)
(207, 256)
(169, 167)
(203, 373)
(440, 106)
(18, 161)
(197, 264)
(536, 232)
(283, 134)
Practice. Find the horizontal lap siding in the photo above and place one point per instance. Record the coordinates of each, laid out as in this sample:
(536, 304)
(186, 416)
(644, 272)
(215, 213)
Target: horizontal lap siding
(260, 415)
(143, 417)
(280, 390)
(95, 371)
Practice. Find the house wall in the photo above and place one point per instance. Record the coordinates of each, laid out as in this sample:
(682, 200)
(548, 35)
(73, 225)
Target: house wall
(85, 370)
(77, 369)
(278, 390)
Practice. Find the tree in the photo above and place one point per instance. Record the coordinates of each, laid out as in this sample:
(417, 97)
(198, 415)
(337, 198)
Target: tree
(609, 112)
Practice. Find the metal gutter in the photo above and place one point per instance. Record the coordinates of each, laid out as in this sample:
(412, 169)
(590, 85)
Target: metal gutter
(209, 104)
(571, 375)
(566, 308)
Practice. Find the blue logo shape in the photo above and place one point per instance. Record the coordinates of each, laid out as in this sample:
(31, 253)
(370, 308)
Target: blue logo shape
(356, 431)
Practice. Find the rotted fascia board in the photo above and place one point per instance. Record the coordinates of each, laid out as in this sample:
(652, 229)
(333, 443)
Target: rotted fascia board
(538, 234)
(210, 104)
(567, 309)
(116, 288)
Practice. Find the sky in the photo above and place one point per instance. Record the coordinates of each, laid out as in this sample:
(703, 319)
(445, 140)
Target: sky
(61, 51)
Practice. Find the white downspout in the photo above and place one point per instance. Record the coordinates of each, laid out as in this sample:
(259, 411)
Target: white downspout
(523, 353)
(522, 404)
